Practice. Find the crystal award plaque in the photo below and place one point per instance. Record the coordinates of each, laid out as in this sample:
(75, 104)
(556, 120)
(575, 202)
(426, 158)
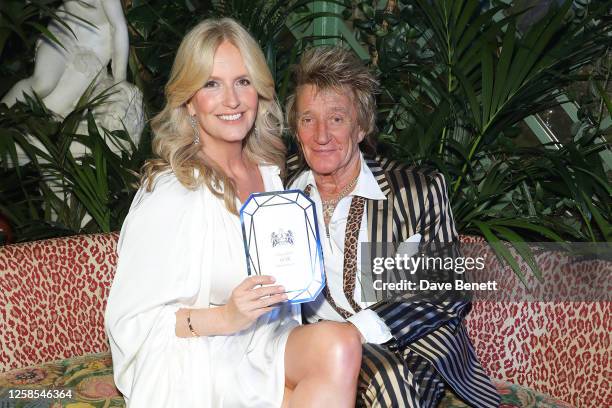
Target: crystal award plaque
(281, 239)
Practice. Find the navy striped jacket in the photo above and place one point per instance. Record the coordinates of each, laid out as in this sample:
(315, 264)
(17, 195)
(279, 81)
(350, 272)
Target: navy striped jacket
(417, 202)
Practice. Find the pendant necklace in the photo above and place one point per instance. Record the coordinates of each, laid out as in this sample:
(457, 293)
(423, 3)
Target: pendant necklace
(330, 205)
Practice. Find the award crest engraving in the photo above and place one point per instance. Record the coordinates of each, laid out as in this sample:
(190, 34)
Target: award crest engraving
(281, 238)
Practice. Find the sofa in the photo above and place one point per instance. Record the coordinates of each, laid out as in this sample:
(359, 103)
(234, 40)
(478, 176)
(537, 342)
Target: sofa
(54, 351)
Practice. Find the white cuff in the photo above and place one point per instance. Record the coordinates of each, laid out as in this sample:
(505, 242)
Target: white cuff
(371, 326)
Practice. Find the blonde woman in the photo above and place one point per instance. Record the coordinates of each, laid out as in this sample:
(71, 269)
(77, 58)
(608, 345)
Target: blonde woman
(187, 327)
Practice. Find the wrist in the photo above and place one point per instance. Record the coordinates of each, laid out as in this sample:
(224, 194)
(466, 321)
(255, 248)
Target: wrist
(223, 321)
(371, 327)
(190, 324)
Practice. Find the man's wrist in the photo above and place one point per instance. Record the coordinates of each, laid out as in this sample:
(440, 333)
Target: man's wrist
(372, 328)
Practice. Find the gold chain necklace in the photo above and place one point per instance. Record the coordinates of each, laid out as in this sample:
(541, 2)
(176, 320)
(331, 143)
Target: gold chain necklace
(330, 205)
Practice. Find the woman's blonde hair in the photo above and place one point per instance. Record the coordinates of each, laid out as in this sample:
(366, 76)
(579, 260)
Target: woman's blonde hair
(173, 141)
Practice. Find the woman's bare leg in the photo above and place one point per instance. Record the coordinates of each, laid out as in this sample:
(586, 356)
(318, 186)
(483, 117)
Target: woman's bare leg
(287, 397)
(322, 362)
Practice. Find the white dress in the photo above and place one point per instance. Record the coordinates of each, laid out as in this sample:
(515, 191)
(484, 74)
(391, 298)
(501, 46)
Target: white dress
(180, 248)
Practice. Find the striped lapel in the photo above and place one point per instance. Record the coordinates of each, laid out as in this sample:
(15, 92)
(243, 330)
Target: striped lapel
(380, 224)
(391, 220)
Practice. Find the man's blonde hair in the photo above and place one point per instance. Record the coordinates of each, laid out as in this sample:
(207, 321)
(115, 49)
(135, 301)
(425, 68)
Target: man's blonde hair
(339, 69)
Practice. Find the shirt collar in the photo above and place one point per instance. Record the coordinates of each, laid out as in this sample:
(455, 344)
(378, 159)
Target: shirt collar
(369, 185)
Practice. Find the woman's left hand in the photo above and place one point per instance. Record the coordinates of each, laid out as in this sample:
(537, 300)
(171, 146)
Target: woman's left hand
(248, 301)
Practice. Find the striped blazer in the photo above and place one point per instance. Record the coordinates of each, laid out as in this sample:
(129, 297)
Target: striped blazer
(417, 202)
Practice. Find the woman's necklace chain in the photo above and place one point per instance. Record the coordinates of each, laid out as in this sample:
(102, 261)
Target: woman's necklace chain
(330, 205)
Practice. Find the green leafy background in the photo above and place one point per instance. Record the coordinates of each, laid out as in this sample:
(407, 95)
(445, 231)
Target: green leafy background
(458, 77)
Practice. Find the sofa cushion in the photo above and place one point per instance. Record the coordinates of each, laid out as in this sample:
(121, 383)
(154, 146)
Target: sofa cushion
(561, 348)
(90, 380)
(512, 396)
(52, 297)
(53, 294)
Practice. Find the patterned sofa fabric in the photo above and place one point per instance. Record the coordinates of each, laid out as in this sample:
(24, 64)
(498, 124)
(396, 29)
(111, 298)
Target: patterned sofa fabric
(89, 381)
(85, 381)
(561, 349)
(53, 294)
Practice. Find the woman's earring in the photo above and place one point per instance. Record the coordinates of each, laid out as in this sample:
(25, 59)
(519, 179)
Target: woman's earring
(196, 132)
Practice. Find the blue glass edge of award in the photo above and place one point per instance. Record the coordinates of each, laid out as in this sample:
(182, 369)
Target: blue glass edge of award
(317, 281)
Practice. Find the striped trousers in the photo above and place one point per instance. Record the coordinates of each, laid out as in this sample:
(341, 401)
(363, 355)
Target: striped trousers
(397, 379)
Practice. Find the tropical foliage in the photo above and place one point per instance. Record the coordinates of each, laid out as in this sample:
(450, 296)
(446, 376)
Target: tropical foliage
(457, 79)
(57, 193)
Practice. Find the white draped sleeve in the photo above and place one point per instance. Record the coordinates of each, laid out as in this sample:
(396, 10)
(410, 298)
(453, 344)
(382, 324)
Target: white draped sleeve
(160, 269)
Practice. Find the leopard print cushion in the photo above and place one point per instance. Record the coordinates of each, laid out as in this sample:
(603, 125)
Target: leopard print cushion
(54, 292)
(558, 348)
(561, 349)
(53, 298)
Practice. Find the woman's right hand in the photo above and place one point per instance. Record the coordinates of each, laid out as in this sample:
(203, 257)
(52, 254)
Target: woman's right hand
(247, 302)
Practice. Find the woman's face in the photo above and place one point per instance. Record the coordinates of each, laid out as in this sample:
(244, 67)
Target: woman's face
(327, 129)
(226, 105)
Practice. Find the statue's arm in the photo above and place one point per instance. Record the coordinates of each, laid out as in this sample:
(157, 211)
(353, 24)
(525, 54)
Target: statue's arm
(120, 38)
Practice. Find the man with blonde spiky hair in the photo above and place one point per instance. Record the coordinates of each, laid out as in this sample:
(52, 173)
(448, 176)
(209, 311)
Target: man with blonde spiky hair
(413, 349)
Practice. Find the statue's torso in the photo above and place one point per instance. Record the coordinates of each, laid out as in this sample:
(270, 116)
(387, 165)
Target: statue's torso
(90, 10)
(96, 39)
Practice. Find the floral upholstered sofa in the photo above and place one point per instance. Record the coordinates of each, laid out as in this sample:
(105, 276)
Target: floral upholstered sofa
(54, 352)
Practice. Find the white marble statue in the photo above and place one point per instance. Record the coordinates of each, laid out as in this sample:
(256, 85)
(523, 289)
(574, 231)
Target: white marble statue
(63, 74)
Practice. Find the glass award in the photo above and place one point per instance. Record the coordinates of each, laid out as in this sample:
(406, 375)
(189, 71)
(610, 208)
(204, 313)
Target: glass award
(281, 239)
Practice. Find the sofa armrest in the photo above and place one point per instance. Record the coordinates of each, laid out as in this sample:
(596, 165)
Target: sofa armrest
(52, 298)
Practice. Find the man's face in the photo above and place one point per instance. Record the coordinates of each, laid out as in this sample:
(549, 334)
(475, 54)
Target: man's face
(327, 129)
